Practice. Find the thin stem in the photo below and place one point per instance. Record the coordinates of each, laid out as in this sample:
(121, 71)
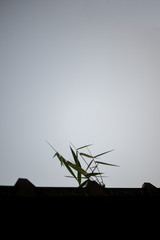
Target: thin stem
(96, 166)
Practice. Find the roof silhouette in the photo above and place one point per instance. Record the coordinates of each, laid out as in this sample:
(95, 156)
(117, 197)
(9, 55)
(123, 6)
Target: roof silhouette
(24, 188)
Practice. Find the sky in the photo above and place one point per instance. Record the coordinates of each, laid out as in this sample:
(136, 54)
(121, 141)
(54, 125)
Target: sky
(85, 72)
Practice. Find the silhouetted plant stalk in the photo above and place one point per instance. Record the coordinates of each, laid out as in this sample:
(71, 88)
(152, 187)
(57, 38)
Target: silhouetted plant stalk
(75, 167)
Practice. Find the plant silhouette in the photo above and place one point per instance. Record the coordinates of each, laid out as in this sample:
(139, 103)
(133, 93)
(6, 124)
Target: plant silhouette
(81, 175)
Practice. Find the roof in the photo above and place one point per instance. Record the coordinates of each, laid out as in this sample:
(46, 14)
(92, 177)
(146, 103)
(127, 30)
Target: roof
(24, 188)
(26, 201)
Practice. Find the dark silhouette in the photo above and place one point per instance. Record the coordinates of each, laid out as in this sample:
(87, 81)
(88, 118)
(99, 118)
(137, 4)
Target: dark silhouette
(24, 200)
(25, 189)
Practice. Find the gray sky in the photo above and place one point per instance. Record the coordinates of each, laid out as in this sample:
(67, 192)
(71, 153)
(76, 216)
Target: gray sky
(81, 71)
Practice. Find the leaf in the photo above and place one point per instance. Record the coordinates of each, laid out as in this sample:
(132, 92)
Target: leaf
(103, 153)
(78, 164)
(84, 146)
(73, 177)
(77, 168)
(70, 170)
(64, 162)
(75, 157)
(86, 155)
(50, 145)
(98, 155)
(61, 159)
(69, 176)
(79, 177)
(107, 164)
(93, 174)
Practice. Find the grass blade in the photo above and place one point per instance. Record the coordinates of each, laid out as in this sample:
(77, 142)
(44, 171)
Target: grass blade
(84, 146)
(98, 155)
(86, 155)
(93, 174)
(70, 170)
(61, 159)
(75, 157)
(106, 164)
(77, 168)
(69, 176)
(103, 153)
(50, 146)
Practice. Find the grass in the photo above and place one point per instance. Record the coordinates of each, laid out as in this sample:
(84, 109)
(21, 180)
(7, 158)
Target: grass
(83, 174)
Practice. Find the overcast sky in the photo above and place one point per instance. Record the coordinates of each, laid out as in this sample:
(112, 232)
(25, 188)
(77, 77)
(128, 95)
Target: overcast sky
(83, 71)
